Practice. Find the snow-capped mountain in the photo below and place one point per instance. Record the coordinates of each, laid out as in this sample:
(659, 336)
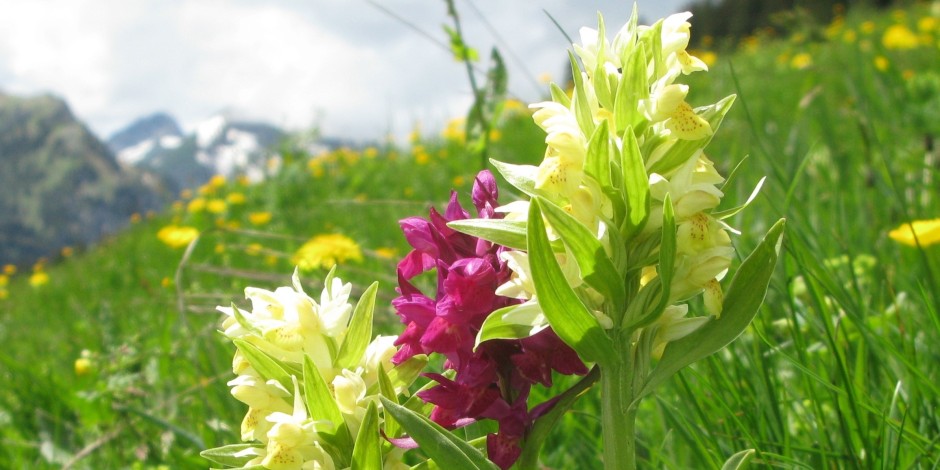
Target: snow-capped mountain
(219, 145)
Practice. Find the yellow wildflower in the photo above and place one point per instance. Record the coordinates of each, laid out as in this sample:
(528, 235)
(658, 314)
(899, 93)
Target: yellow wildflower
(495, 135)
(38, 279)
(196, 205)
(254, 249)
(421, 155)
(135, 218)
(415, 135)
(708, 57)
(458, 181)
(514, 105)
(927, 233)
(83, 366)
(801, 61)
(216, 181)
(370, 152)
(455, 130)
(324, 251)
(545, 78)
(386, 253)
(177, 236)
(67, 251)
(927, 24)
(259, 218)
(186, 194)
(216, 206)
(4, 280)
(867, 27)
(899, 36)
(236, 199)
(881, 63)
(849, 36)
(9, 269)
(166, 282)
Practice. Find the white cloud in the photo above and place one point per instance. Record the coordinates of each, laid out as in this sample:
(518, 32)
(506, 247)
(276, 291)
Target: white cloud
(342, 65)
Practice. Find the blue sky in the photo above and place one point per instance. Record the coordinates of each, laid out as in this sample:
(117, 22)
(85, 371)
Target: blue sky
(343, 66)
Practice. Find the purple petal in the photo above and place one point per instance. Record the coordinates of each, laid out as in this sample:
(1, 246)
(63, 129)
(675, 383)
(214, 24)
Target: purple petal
(484, 191)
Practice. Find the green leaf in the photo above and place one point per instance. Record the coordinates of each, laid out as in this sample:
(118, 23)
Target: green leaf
(360, 331)
(322, 407)
(404, 374)
(559, 96)
(388, 391)
(225, 455)
(597, 162)
(479, 443)
(744, 297)
(667, 250)
(734, 210)
(569, 317)
(243, 322)
(738, 460)
(522, 177)
(267, 366)
(636, 185)
(447, 450)
(367, 455)
(582, 108)
(597, 269)
(496, 325)
(640, 312)
(545, 423)
(633, 88)
(503, 232)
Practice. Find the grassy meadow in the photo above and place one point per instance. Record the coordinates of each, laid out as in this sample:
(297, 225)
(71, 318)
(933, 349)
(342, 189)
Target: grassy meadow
(111, 355)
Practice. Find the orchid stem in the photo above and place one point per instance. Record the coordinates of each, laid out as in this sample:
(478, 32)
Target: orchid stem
(619, 413)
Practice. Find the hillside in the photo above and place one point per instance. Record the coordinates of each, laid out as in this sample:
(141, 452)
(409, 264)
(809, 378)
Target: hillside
(834, 371)
(59, 185)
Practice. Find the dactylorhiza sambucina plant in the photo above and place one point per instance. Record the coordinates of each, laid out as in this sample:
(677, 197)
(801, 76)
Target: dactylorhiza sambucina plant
(492, 379)
(312, 380)
(621, 229)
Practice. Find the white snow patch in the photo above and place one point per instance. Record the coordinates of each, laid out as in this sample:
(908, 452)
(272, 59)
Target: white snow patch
(209, 130)
(135, 153)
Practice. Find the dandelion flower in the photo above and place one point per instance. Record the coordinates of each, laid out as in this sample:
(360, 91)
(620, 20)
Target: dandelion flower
(236, 199)
(38, 279)
(216, 206)
(196, 205)
(216, 181)
(259, 218)
(83, 366)
(927, 233)
(177, 236)
(801, 61)
(324, 251)
(881, 63)
(899, 37)
(4, 280)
